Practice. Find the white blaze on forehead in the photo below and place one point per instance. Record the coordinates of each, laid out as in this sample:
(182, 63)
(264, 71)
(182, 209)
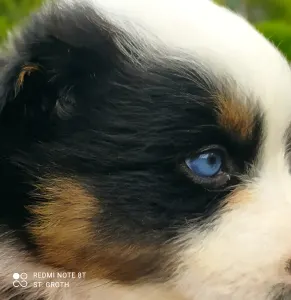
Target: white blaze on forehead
(208, 31)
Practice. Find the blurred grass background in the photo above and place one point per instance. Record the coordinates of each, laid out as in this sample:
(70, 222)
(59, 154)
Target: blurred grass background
(12, 12)
(271, 17)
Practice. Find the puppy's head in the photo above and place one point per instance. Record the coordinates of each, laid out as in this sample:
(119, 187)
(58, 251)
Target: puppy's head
(148, 142)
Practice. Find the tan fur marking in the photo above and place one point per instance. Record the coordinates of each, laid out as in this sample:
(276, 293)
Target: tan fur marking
(63, 225)
(65, 232)
(26, 70)
(235, 117)
(237, 196)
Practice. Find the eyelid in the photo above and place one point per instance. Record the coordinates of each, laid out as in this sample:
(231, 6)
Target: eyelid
(214, 147)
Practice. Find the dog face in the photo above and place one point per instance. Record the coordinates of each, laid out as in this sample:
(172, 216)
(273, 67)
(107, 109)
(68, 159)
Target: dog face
(147, 143)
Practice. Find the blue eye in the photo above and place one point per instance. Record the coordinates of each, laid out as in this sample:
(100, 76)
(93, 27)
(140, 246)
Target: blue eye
(206, 164)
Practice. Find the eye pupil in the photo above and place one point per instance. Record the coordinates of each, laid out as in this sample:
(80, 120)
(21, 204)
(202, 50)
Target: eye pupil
(212, 160)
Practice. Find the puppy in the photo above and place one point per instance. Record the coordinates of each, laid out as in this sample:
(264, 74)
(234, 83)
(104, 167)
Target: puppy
(145, 154)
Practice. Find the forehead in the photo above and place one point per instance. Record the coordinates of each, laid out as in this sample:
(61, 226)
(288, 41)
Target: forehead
(213, 35)
(203, 29)
(199, 30)
(219, 39)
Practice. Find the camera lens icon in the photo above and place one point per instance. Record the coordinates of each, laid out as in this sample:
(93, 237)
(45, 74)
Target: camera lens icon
(20, 280)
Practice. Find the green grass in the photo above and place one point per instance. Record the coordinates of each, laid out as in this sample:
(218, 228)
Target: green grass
(279, 33)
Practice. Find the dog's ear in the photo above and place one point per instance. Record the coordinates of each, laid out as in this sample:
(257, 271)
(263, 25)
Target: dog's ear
(57, 52)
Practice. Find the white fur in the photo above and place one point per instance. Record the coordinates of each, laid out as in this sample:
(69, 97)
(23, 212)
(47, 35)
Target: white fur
(244, 256)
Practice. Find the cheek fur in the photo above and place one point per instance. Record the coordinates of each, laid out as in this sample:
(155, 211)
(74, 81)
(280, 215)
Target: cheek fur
(67, 236)
(62, 226)
(238, 196)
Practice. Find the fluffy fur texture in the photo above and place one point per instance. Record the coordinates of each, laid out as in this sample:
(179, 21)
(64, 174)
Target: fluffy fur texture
(101, 104)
